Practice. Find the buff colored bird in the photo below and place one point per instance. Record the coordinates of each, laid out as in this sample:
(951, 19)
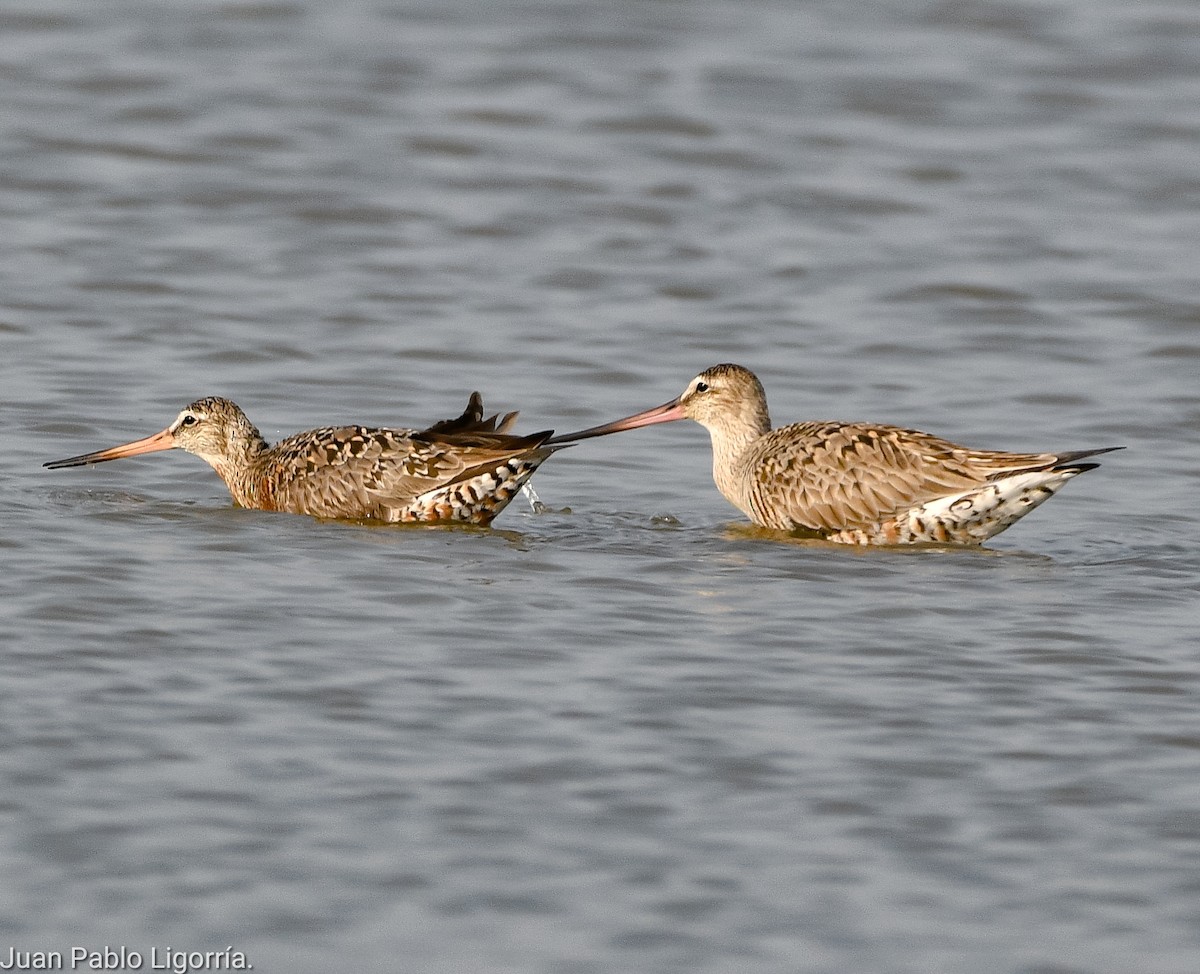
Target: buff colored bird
(855, 483)
(463, 470)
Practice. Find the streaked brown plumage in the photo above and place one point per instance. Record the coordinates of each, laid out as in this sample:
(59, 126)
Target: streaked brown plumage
(856, 483)
(460, 470)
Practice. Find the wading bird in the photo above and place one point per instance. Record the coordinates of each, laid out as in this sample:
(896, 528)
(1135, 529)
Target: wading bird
(855, 483)
(463, 470)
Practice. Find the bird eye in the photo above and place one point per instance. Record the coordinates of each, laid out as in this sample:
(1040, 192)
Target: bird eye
(702, 387)
(188, 420)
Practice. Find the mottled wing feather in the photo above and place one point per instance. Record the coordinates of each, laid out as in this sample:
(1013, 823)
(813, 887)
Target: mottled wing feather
(475, 452)
(364, 472)
(825, 475)
(337, 471)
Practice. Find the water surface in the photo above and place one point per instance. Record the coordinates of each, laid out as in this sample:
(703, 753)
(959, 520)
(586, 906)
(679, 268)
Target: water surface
(628, 732)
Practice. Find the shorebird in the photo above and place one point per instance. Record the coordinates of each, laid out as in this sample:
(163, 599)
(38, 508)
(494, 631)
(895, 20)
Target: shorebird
(459, 470)
(854, 483)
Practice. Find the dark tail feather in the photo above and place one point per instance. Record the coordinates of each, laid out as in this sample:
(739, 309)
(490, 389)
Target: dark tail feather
(472, 416)
(472, 421)
(1066, 461)
(484, 438)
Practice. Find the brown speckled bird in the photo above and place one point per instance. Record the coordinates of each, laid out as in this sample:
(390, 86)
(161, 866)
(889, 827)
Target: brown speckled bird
(855, 483)
(463, 470)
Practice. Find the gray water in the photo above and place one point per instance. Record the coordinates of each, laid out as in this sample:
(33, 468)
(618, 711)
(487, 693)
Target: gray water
(626, 733)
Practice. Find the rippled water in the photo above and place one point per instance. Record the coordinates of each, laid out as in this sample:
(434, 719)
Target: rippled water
(630, 732)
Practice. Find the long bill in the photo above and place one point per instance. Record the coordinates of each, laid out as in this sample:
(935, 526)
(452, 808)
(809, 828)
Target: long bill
(151, 444)
(668, 412)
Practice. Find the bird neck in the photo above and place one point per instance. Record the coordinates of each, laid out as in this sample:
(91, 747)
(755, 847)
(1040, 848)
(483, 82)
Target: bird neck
(732, 438)
(243, 469)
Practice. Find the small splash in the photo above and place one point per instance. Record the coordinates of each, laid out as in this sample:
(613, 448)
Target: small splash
(536, 505)
(535, 502)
